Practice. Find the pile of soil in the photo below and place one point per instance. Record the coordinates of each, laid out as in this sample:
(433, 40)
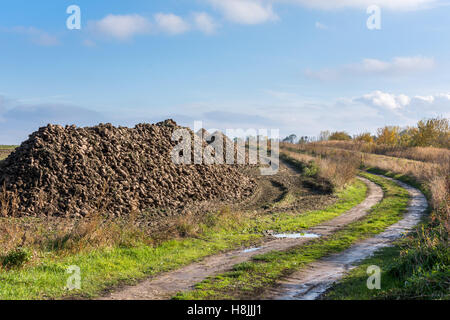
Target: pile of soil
(70, 171)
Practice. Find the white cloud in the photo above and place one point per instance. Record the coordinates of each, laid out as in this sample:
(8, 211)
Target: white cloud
(401, 106)
(361, 4)
(37, 36)
(444, 96)
(398, 66)
(321, 26)
(205, 23)
(385, 100)
(246, 11)
(428, 99)
(171, 23)
(122, 27)
(370, 66)
(413, 63)
(403, 100)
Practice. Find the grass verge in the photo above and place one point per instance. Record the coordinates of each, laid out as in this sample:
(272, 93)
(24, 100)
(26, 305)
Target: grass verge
(417, 267)
(249, 279)
(433, 284)
(106, 268)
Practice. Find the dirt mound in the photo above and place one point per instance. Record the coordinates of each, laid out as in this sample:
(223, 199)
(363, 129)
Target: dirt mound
(72, 171)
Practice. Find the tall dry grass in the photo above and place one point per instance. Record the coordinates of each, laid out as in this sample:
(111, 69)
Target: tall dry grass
(338, 171)
(435, 176)
(426, 154)
(62, 236)
(67, 236)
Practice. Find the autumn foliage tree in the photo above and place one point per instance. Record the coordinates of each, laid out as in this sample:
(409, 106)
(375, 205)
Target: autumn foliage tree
(340, 135)
(388, 135)
(364, 137)
(431, 133)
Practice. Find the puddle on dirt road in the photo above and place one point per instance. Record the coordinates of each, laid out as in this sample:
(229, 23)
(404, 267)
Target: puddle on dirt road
(311, 283)
(251, 250)
(296, 235)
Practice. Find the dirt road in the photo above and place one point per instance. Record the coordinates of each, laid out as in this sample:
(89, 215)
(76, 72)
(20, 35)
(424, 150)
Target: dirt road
(168, 284)
(317, 277)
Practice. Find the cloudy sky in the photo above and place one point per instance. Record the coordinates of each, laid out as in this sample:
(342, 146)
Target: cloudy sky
(298, 65)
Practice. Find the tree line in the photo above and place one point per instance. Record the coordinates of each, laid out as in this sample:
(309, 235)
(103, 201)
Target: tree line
(434, 132)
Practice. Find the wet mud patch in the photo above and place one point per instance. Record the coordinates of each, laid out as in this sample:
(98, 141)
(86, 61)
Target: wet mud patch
(296, 235)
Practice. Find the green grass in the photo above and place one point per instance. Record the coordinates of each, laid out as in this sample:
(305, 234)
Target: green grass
(249, 279)
(415, 268)
(404, 178)
(353, 286)
(102, 269)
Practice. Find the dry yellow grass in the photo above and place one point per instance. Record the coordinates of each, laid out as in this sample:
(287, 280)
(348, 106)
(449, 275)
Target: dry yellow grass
(426, 154)
(68, 236)
(64, 235)
(435, 175)
(338, 171)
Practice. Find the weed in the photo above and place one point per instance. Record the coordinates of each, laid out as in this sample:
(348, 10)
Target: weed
(16, 258)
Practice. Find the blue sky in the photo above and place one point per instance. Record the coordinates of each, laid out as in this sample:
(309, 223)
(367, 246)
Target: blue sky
(300, 66)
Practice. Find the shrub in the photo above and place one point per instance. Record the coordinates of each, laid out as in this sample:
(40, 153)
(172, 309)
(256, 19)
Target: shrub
(340, 135)
(311, 170)
(364, 137)
(16, 258)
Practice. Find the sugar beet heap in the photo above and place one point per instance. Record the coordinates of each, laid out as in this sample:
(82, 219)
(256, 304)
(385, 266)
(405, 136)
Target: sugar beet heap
(74, 171)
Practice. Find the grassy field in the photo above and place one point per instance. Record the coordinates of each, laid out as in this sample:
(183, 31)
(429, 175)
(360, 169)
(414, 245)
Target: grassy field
(44, 277)
(249, 279)
(5, 151)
